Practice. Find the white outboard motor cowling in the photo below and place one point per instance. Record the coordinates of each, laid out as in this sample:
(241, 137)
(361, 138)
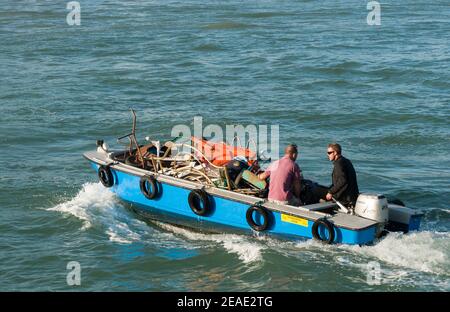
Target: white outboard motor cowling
(373, 207)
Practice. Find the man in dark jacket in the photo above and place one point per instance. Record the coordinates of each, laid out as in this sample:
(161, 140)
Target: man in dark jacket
(345, 186)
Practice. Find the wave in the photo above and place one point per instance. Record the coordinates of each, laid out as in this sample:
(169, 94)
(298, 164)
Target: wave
(339, 68)
(401, 255)
(334, 83)
(227, 25)
(265, 14)
(95, 205)
(425, 251)
(208, 47)
(419, 251)
(247, 250)
(439, 83)
(412, 260)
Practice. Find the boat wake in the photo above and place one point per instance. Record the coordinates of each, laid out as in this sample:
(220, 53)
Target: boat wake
(416, 259)
(95, 205)
(420, 251)
(246, 249)
(401, 256)
(99, 207)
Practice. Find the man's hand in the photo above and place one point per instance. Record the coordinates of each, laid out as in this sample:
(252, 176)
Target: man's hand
(329, 196)
(263, 176)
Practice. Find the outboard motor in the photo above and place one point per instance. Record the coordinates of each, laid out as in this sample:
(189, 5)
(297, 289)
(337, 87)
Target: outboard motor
(373, 207)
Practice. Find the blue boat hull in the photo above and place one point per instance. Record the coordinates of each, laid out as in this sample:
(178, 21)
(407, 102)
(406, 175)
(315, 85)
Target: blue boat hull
(226, 215)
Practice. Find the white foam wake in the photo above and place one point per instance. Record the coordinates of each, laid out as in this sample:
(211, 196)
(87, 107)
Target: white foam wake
(247, 251)
(95, 205)
(423, 251)
(420, 251)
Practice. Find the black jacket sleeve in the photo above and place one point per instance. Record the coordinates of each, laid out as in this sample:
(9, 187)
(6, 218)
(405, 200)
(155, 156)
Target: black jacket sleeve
(340, 179)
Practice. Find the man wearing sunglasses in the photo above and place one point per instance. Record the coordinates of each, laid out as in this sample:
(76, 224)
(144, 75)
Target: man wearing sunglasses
(345, 186)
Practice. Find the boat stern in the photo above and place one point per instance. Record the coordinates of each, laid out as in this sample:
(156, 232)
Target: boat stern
(403, 219)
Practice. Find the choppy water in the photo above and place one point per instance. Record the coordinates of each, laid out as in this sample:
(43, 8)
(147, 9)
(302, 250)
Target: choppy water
(314, 68)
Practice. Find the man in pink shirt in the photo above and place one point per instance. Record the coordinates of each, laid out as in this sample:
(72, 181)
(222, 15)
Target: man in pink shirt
(285, 176)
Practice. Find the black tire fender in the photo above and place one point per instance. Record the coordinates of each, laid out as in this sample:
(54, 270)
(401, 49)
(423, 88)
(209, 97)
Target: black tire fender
(328, 225)
(265, 214)
(105, 176)
(151, 192)
(199, 202)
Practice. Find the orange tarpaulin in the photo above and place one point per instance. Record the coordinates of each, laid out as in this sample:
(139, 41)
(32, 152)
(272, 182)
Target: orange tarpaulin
(220, 153)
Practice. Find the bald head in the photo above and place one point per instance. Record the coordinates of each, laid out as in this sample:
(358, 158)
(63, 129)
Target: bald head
(291, 151)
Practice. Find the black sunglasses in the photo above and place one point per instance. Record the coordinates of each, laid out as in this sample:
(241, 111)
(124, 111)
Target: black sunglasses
(330, 152)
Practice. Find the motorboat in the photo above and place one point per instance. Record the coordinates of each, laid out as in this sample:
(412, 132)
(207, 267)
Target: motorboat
(213, 187)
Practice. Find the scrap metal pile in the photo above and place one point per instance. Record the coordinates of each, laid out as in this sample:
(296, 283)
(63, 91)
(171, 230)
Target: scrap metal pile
(211, 164)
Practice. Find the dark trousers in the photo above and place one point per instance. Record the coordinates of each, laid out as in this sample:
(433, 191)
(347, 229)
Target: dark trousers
(312, 192)
(320, 192)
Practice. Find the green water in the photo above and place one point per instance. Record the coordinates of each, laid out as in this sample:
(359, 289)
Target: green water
(316, 69)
